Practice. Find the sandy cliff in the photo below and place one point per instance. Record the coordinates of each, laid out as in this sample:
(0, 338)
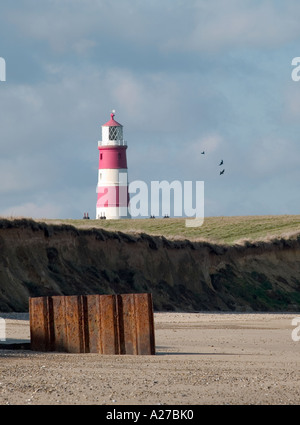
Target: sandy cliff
(37, 259)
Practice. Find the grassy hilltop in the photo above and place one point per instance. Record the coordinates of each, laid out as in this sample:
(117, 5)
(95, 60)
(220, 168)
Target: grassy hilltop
(228, 230)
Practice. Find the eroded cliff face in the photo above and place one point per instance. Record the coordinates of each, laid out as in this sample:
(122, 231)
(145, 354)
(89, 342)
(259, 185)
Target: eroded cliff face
(37, 259)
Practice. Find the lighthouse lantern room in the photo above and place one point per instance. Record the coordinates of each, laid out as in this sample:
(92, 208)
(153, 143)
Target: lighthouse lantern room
(112, 188)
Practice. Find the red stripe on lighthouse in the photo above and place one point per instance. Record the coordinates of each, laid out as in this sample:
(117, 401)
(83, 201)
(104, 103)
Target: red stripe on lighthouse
(112, 157)
(112, 196)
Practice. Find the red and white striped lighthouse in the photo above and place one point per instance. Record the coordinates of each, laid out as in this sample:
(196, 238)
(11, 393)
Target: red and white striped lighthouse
(112, 188)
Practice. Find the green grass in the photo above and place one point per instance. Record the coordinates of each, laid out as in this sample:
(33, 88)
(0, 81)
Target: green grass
(228, 230)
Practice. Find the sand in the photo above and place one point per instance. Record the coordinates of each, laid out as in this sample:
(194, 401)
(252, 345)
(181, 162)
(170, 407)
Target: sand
(201, 358)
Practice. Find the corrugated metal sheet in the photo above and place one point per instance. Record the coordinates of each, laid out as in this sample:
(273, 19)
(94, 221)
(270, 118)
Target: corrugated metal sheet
(105, 324)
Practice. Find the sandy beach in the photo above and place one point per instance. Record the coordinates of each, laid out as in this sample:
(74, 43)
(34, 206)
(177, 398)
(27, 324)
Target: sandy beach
(201, 358)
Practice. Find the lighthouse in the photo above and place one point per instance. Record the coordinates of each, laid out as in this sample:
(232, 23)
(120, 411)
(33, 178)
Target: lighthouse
(112, 187)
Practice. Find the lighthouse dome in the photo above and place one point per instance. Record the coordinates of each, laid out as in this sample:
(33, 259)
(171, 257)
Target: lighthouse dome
(112, 122)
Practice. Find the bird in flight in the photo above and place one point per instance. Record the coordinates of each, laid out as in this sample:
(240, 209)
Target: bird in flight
(202, 153)
(222, 172)
(221, 162)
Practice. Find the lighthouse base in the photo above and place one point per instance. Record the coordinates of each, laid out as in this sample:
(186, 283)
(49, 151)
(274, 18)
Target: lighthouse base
(112, 213)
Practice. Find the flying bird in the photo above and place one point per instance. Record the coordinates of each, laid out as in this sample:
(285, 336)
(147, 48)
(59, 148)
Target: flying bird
(202, 153)
(222, 172)
(221, 162)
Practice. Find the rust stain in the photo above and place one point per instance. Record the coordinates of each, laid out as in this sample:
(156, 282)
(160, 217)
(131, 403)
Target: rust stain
(105, 324)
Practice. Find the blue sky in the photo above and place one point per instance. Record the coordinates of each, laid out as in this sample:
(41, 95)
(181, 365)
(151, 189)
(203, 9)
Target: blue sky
(183, 76)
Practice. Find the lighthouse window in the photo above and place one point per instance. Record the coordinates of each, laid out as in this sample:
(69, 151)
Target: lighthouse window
(115, 133)
(112, 133)
(100, 155)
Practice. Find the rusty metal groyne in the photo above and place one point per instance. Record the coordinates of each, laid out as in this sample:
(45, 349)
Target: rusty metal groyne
(105, 324)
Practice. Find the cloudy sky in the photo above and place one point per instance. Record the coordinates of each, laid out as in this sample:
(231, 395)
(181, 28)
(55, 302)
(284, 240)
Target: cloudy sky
(184, 76)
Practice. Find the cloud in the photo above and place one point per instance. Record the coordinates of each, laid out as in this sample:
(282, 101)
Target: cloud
(291, 103)
(210, 143)
(219, 25)
(63, 25)
(183, 77)
(273, 157)
(30, 209)
(169, 26)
